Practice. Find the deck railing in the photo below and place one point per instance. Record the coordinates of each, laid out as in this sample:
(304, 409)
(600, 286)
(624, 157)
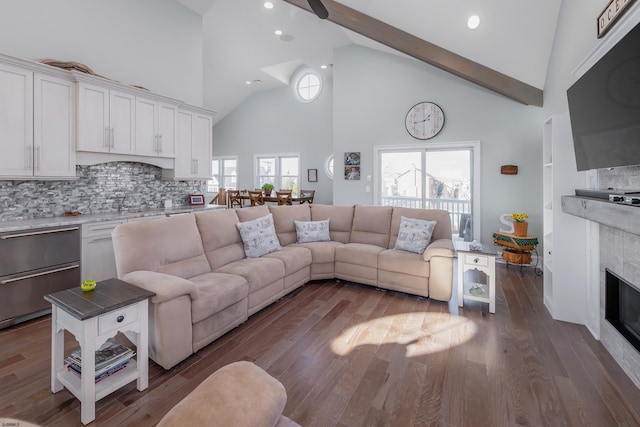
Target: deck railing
(456, 208)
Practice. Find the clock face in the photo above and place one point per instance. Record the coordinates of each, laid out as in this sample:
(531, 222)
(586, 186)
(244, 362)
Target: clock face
(424, 120)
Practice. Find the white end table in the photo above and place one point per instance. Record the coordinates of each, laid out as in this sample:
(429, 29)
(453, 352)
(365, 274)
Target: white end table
(481, 260)
(93, 317)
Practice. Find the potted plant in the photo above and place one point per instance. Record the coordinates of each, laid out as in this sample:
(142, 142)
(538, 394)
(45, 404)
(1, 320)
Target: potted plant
(267, 188)
(520, 224)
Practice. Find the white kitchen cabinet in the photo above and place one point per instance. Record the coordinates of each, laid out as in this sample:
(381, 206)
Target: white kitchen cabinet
(97, 259)
(16, 121)
(106, 120)
(36, 124)
(156, 126)
(193, 146)
(53, 127)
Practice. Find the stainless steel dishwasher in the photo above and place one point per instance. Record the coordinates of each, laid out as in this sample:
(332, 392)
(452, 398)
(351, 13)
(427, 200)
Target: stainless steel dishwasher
(34, 263)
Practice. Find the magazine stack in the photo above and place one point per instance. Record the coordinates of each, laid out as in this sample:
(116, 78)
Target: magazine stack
(110, 358)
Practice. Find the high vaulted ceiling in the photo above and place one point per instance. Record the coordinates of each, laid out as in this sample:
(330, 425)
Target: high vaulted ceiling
(514, 38)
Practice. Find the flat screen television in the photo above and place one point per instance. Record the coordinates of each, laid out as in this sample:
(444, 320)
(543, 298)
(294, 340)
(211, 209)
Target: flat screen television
(604, 108)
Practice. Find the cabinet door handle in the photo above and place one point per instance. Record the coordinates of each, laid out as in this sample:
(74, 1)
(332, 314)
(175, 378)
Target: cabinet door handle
(113, 143)
(37, 233)
(44, 273)
(38, 158)
(105, 137)
(103, 239)
(196, 169)
(29, 156)
(476, 260)
(120, 318)
(159, 143)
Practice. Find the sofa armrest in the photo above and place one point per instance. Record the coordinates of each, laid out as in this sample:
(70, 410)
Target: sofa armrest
(439, 248)
(166, 286)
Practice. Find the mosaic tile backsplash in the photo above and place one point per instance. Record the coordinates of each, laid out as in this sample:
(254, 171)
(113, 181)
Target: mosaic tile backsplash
(102, 188)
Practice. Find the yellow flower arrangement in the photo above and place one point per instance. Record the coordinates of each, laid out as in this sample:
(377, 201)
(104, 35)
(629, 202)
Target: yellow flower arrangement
(519, 217)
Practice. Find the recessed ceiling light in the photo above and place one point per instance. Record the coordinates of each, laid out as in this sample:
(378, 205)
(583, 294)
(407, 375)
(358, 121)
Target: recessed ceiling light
(248, 82)
(278, 32)
(268, 5)
(324, 67)
(473, 22)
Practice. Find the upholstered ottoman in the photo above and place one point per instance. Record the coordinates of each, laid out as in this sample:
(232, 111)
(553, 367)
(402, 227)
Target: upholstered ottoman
(240, 394)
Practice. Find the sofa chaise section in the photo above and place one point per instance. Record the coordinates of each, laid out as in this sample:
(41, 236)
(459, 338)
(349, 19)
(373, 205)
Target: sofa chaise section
(429, 274)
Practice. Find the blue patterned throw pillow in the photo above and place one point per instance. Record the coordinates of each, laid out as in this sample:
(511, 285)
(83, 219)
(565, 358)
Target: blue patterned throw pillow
(312, 231)
(259, 236)
(414, 234)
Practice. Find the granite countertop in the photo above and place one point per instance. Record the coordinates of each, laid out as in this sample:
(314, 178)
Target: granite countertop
(59, 221)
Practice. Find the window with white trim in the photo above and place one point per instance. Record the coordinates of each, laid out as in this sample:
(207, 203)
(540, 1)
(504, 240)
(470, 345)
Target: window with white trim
(432, 176)
(307, 85)
(224, 174)
(281, 170)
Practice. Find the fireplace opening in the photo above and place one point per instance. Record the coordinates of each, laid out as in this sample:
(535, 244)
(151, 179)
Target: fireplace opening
(622, 307)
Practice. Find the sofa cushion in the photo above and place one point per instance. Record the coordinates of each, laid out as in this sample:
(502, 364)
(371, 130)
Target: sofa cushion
(414, 234)
(371, 225)
(312, 231)
(294, 258)
(254, 212)
(259, 272)
(169, 245)
(340, 220)
(259, 236)
(284, 217)
(321, 252)
(359, 253)
(217, 291)
(220, 236)
(403, 262)
(442, 229)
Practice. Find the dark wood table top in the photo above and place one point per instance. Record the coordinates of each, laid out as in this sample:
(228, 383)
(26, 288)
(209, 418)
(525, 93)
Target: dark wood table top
(275, 199)
(108, 295)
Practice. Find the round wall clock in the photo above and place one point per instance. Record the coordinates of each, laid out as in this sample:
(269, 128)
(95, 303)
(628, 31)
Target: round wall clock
(424, 120)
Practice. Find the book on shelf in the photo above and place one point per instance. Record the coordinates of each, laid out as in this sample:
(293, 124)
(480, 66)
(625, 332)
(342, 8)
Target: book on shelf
(74, 369)
(110, 358)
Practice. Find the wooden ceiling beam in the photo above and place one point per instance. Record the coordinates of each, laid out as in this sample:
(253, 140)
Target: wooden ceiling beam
(428, 52)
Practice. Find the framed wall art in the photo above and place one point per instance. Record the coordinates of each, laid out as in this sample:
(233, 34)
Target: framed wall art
(196, 199)
(312, 175)
(352, 166)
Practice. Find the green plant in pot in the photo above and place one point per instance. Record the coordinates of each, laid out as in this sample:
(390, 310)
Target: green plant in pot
(267, 189)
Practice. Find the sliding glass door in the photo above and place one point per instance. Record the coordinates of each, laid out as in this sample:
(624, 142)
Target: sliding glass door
(432, 177)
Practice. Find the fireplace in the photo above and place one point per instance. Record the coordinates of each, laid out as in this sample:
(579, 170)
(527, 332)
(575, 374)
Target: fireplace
(622, 307)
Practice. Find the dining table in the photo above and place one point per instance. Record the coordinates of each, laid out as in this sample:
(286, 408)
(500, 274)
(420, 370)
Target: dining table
(274, 199)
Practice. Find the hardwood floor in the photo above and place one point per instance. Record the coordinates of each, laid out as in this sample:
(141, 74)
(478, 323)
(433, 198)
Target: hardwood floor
(351, 355)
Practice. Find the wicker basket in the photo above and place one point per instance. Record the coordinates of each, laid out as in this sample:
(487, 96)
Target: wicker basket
(516, 257)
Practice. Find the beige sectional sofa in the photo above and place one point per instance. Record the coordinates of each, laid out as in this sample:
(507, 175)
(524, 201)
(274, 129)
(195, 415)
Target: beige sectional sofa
(205, 285)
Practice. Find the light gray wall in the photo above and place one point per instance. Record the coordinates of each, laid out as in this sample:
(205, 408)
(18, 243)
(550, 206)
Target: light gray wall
(152, 43)
(373, 92)
(272, 121)
(575, 38)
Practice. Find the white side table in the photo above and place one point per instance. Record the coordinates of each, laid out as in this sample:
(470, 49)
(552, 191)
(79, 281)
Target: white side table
(94, 317)
(481, 260)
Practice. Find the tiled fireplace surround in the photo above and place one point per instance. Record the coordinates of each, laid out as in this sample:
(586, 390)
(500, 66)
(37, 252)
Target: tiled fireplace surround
(619, 252)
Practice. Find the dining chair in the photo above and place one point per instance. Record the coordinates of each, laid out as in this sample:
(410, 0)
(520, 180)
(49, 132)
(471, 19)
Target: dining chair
(234, 199)
(256, 198)
(307, 196)
(284, 197)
